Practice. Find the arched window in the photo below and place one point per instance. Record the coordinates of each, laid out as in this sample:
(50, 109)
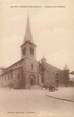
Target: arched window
(31, 51)
(32, 66)
(24, 51)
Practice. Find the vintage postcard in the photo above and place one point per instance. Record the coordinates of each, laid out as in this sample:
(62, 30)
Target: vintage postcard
(36, 58)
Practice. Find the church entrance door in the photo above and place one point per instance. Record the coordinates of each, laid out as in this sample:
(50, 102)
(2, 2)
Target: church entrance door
(32, 80)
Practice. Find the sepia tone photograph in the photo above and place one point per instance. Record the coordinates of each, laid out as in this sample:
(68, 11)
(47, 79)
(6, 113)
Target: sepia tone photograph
(36, 58)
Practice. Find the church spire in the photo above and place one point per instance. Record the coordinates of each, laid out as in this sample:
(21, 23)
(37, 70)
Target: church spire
(28, 47)
(28, 35)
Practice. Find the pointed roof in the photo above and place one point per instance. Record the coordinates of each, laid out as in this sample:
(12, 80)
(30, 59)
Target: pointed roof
(28, 35)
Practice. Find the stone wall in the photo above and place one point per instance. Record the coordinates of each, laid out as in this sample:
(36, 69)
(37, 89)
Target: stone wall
(12, 78)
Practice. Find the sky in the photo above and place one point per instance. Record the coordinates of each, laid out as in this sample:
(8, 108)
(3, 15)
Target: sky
(52, 30)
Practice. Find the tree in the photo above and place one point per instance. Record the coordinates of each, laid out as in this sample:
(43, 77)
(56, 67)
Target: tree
(72, 72)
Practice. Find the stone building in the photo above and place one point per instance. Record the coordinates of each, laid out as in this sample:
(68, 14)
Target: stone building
(29, 72)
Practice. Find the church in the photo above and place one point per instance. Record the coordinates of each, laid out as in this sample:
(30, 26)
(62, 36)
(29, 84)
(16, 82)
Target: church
(28, 72)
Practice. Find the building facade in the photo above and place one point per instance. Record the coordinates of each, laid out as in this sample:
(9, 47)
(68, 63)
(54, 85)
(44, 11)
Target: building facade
(28, 72)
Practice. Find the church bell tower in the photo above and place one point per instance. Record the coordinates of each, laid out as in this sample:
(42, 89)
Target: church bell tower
(28, 47)
(30, 65)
